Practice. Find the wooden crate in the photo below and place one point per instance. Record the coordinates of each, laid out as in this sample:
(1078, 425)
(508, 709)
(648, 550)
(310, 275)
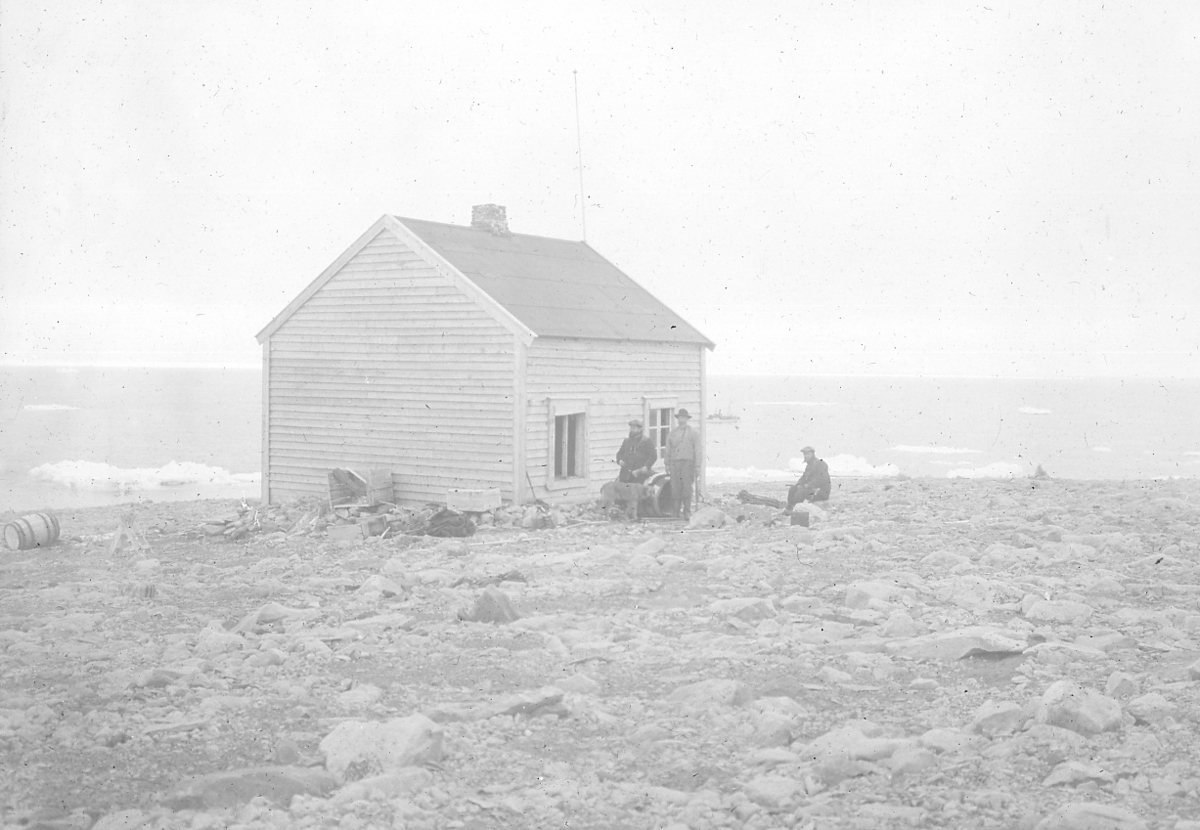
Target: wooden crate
(473, 501)
(370, 486)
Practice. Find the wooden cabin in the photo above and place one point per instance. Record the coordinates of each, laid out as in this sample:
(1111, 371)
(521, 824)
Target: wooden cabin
(470, 358)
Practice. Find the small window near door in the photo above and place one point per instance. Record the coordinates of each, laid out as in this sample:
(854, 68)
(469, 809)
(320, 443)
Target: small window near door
(658, 426)
(569, 432)
(566, 443)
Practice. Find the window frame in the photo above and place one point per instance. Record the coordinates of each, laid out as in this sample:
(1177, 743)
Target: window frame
(659, 402)
(565, 407)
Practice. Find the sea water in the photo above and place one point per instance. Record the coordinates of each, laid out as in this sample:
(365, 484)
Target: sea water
(78, 437)
(956, 427)
(94, 436)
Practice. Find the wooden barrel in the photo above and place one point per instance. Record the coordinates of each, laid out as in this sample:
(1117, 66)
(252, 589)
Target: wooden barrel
(37, 530)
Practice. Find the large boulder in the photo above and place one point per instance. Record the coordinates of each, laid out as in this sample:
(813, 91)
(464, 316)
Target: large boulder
(1086, 711)
(232, 788)
(978, 640)
(1088, 816)
(492, 606)
(357, 749)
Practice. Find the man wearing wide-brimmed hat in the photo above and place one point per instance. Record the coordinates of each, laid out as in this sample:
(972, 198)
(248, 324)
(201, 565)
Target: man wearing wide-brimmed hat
(814, 484)
(682, 455)
(637, 454)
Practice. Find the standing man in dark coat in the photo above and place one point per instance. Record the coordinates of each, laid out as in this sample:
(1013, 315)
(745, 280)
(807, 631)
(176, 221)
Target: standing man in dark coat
(684, 452)
(637, 454)
(813, 485)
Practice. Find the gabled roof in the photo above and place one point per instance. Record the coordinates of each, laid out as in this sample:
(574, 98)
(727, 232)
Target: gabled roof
(534, 285)
(555, 287)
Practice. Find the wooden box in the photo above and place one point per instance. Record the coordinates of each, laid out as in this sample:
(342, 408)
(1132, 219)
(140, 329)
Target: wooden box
(473, 501)
(371, 486)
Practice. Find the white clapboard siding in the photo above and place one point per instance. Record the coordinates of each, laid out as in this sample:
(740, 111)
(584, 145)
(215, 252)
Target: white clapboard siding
(615, 378)
(389, 364)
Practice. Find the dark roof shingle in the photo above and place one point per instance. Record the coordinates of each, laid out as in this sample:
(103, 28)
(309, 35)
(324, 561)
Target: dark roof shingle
(555, 287)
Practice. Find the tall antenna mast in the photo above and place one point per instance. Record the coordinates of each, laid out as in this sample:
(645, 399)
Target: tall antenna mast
(579, 148)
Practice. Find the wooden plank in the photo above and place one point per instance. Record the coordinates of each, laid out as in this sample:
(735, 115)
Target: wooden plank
(412, 389)
(322, 278)
(457, 327)
(399, 339)
(265, 437)
(385, 288)
(485, 301)
(409, 430)
(702, 464)
(307, 412)
(407, 436)
(336, 456)
(400, 353)
(402, 479)
(393, 317)
(301, 406)
(319, 393)
(518, 425)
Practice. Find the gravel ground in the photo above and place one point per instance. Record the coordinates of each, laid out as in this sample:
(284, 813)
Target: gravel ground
(928, 653)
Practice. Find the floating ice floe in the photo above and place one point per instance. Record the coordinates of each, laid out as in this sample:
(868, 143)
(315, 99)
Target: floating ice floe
(793, 403)
(93, 475)
(748, 474)
(1032, 410)
(852, 465)
(1000, 469)
(843, 465)
(935, 450)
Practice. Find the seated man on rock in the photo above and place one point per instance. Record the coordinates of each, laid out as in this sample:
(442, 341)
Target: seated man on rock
(813, 485)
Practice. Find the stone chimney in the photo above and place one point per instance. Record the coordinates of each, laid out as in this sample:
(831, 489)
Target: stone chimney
(490, 218)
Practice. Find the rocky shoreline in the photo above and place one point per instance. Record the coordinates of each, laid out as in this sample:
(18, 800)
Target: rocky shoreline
(928, 653)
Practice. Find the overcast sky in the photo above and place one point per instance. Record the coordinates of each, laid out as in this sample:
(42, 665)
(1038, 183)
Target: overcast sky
(924, 188)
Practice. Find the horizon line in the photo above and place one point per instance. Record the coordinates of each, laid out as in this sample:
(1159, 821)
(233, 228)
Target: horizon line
(874, 375)
(115, 365)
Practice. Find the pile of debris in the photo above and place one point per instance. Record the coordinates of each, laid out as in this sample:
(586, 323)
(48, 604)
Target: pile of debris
(307, 517)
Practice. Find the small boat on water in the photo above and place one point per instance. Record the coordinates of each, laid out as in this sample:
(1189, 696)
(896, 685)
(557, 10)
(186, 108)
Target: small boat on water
(721, 418)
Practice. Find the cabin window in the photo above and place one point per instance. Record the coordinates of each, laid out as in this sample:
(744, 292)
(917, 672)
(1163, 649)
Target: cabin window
(567, 443)
(657, 416)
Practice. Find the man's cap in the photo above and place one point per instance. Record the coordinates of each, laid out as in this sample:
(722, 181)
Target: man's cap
(808, 449)
(636, 422)
(683, 413)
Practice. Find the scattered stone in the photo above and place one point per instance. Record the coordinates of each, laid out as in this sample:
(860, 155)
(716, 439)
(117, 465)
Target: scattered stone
(402, 782)
(361, 696)
(957, 605)
(492, 606)
(1089, 816)
(912, 816)
(745, 608)
(998, 718)
(122, 820)
(651, 547)
(1076, 772)
(1067, 704)
(709, 517)
(1151, 707)
(544, 701)
(708, 693)
(911, 760)
(579, 684)
(358, 749)
(236, 787)
(955, 645)
(1075, 613)
(773, 792)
